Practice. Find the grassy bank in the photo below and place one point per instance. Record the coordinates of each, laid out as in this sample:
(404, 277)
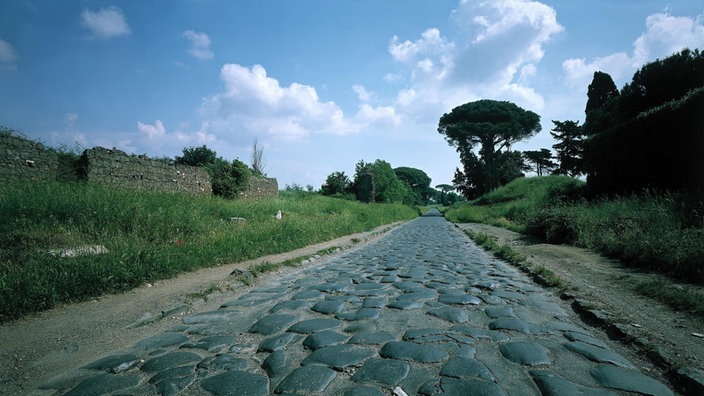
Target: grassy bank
(150, 236)
(652, 232)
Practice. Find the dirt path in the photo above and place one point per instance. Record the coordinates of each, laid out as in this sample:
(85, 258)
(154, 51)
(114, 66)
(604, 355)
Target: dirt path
(605, 287)
(37, 348)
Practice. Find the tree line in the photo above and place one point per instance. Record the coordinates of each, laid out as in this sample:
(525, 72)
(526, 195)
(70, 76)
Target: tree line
(378, 182)
(648, 135)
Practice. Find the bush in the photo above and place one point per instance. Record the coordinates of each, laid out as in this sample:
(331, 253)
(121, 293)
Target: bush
(229, 179)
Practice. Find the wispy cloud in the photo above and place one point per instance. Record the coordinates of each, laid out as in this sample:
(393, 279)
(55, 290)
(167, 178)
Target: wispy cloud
(106, 23)
(8, 56)
(199, 45)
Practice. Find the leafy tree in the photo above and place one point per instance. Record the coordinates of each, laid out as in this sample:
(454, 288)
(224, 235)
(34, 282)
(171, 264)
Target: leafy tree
(444, 189)
(418, 182)
(602, 99)
(229, 179)
(661, 81)
(495, 126)
(541, 160)
(377, 182)
(197, 156)
(337, 183)
(570, 149)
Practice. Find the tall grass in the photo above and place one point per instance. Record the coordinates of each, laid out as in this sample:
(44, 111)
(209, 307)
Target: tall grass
(150, 236)
(651, 231)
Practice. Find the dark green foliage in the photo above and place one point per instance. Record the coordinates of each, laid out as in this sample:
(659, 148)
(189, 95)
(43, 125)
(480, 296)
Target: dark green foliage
(494, 126)
(660, 149)
(377, 182)
(541, 161)
(197, 156)
(417, 181)
(229, 179)
(602, 97)
(336, 184)
(570, 149)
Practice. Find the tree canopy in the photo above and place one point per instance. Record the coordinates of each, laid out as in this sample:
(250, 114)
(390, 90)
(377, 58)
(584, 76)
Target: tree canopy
(494, 126)
(377, 182)
(417, 181)
(569, 149)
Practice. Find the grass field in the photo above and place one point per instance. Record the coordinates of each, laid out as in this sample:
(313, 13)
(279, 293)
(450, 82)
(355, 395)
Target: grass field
(150, 236)
(653, 232)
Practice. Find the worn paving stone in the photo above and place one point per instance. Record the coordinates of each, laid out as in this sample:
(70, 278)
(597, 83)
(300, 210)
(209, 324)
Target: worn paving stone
(272, 324)
(499, 312)
(404, 350)
(314, 325)
(551, 384)
(212, 343)
(323, 339)
(629, 380)
(290, 305)
(474, 332)
(460, 387)
(459, 299)
(236, 383)
(114, 363)
(170, 360)
(406, 304)
(277, 342)
(339, 356)
(275, 363)
(516, 324)
(461, 367)
(597, 354)
(206, 317)
(572, 336)
(161, 341)
(383, 371)
(360, 314)
(306, 380)
(172, 381)
(223, 361)
(526, 353)
(329, 307)
(104, 384)
(308, 295)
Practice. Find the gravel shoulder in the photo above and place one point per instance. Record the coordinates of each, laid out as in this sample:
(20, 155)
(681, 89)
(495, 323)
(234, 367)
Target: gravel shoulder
(601, 291)
(39, 347)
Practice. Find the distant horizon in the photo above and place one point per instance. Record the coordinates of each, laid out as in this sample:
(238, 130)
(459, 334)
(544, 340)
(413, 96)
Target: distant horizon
(320, 85)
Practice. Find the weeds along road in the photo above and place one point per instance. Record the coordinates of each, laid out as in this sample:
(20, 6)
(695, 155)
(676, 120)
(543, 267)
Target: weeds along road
(421, 310)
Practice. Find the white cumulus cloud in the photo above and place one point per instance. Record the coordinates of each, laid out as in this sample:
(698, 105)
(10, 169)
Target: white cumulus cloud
(199, 45)
(254, 103)
(155, 131)
(106, 22)
(664, 35)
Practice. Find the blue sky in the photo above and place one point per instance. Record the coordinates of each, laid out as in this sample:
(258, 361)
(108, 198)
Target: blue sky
(320, 84)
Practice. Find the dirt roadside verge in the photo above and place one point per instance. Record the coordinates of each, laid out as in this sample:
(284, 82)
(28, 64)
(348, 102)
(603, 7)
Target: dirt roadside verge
(41, 346)
(601, 292)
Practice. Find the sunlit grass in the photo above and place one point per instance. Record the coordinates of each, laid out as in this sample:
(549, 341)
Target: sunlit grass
(150, 236)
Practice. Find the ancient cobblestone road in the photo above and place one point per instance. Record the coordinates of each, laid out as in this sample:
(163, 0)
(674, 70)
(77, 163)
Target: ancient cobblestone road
(422, 310)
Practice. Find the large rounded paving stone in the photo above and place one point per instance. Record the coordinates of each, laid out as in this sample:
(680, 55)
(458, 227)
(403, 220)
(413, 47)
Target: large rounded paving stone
(383, 371)
(314, 325)
(363, 391)
(406, 304)
(170, 360)
(526, 353)
(462, 367)
(329, 307)
(211, 343)
(339, 356)
(597, 354)
(516, 324)
(272, 324)
(411, 351)
(275, 343)
(223, 361)
(551, 384)
(459, 299)
(323, 339)
(371, 337)
(628, 380)
(206, 317)
(306, 380)
(499, 312)
(275, 363)
(236, 383)
(104, 384)
(172, 381)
